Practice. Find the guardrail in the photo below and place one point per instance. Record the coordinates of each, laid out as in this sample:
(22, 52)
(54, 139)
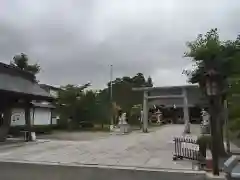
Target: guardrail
(186, 148)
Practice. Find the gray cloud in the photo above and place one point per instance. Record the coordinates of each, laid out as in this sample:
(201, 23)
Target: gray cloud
(76, 41)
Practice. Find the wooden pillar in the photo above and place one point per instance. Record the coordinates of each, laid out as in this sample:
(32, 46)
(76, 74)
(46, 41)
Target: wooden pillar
(33, 114)
(185, 106)
(145, 111)
(51, 116)
(226, 125)
(6, 122)
(27, 108)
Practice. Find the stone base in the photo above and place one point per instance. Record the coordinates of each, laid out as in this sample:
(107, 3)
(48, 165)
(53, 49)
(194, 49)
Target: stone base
(124, 128)
(210, 176)
(121, 129)
(209, 164)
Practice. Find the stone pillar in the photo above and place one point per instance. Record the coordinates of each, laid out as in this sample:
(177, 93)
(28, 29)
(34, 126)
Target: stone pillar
(145, 112)
(185, 106)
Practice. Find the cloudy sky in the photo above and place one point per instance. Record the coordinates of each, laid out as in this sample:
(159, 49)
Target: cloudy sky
(75, 41)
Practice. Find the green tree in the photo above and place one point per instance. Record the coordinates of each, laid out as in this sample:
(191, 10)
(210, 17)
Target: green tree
(209, 52)
(122, 91)
(69, 102)
(135, 113)
(21, 61)
(95, 106)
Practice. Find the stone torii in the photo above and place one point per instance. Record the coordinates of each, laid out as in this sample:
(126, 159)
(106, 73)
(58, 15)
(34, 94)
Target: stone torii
(147, 97)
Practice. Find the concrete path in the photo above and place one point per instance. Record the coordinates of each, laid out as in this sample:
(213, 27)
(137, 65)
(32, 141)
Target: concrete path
(151, 150)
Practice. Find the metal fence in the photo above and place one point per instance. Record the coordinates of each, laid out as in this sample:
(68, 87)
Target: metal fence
(186, 148)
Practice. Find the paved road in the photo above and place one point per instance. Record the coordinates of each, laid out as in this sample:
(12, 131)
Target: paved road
(151, 150)
(16, 171)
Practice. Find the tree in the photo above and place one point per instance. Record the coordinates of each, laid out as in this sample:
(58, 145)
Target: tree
(139, 80)
(22, 62)
(116, 108)
(89, 106)
(209, 52)
(135, 113)
(69, 102)
(123, 95)
(95, 106)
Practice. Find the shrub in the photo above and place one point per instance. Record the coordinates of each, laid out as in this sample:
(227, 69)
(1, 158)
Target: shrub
(16, 130)
(234, 124)
(86, 124)
(42, 128)
(204, 142)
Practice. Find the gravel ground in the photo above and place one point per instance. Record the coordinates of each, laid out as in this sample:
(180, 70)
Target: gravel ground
(149, 150)
(74, 136)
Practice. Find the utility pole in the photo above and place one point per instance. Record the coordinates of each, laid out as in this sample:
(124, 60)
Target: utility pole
(111, 75)
(111, 94)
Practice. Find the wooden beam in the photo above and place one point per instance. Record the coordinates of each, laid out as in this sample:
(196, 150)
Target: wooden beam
(164, 87)
(166, 97)
(177, 105)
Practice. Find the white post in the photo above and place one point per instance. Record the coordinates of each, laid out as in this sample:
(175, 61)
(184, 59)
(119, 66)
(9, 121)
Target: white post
(145, 112)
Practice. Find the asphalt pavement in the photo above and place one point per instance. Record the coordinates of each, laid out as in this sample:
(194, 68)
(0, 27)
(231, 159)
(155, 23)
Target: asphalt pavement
(25, 171)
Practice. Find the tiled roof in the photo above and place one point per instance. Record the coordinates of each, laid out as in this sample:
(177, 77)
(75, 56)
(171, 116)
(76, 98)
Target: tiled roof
(43, 105)
(17, 81)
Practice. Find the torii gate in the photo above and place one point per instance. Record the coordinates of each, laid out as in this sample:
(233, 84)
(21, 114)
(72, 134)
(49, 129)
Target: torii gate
(146, 99)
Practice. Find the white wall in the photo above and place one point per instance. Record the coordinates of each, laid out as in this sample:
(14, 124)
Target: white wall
(42, 116)
(54, 120)
(18, 116)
